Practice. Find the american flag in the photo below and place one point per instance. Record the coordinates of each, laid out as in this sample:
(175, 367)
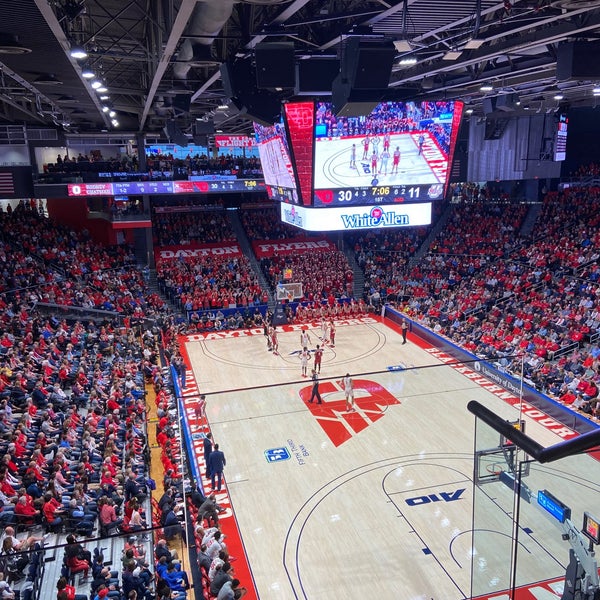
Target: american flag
(7, 184)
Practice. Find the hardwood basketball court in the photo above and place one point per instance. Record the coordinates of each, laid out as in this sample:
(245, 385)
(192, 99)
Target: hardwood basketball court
(375, 503)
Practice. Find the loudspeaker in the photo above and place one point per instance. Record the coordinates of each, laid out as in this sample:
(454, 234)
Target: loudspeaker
(275, 65)
(237, 76)
(488, 105)
(262, 107)
(506, 102)
(200, 140)
(174, 134)
(575, 60)
(181, 103)
(348, 102)
(314, 76)
(204, 127)
(367, 66)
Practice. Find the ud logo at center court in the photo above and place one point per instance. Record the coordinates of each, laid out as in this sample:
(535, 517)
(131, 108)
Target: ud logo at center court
(370, 400)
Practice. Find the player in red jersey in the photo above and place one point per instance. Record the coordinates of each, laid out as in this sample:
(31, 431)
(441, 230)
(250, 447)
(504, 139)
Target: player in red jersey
(365, 144)
(274, 341)
(332, 334)
(374, 163)
(396, 160)
(318, 357)
(386, 142)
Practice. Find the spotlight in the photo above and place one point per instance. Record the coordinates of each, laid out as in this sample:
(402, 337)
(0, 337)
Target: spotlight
(112, 114)
(96, 84)
(102, 89)
(105, 97)
(558, 96)
(87, 72)
(115, 123)
(105, 109)
(78, 52)
(486, 87)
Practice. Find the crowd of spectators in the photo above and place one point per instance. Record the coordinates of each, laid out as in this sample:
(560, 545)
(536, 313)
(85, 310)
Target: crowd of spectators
(210, 282)
(43, 261)
(266, 224)
(536, 297)
(158, 166)
(322, 274)
(181, 228)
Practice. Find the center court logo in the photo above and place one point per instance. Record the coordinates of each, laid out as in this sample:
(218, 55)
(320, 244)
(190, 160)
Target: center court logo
(370, 401)
(377, 217)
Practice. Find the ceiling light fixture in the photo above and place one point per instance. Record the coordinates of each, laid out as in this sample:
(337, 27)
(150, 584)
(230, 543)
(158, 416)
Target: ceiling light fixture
(115, 123)
(486, 87)
(104, 97)
(402, 46)
(474, 44)
(87, 72)
(452, 55)
(105, 109)
(9, 44)
(407, 61)
(222, 107)
(47, 79)
(102, 89)
(469, 111)
(96, 85)
(112, 114)
(78, 52)
(558, 96)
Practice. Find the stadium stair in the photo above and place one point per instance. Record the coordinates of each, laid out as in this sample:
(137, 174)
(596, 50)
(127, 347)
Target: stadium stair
(358, 284)
(174, 307)
(530, 219)
(439, 226)
(244, 242)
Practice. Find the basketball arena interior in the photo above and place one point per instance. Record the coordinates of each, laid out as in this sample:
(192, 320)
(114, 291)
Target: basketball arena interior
(299, 299)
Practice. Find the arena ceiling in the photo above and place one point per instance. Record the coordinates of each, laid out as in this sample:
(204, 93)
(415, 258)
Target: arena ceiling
(153, 56)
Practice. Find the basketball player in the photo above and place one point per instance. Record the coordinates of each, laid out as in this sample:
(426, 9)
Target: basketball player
(200, 408)
(323, 328)
(304, 339)
(332, 334)
(353, 157)
(348, 392)
(396, 161)
(304, 358)
(385, 157)
(274, 341)
(365, 144)
(386, 142)
(374, 163)
(421, 142)
(318, 357)
(270, 339)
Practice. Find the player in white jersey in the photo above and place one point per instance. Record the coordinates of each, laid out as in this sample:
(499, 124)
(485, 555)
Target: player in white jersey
(348, 391)
(304, 358)
(304, 339)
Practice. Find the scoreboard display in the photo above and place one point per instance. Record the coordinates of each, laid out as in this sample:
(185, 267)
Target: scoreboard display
(401, 152)
(132, 188)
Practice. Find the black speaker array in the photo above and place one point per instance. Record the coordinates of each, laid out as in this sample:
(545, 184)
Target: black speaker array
(364, 76)
(275, 65)
(239, 83)
(578, 60)
(175, 135)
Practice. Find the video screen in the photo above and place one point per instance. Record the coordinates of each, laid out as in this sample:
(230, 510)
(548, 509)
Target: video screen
(560, 143)
(275, 161)
(399, 153)
(591, 528)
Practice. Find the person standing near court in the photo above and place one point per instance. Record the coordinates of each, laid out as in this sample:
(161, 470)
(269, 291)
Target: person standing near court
(304, 358)
(404, 328)
(332, 334)
(216, 464)
(207, 446)
(348, 391)
(315, 388)
(304, 339)
(318, 357)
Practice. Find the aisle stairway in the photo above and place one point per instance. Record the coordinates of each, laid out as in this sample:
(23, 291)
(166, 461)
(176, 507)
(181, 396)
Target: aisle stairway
(358, 284)
(246, 246)
(530, 219)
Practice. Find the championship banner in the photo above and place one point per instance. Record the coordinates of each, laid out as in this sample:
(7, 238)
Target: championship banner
(234, 141)
(267, 248)
(197, 250)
